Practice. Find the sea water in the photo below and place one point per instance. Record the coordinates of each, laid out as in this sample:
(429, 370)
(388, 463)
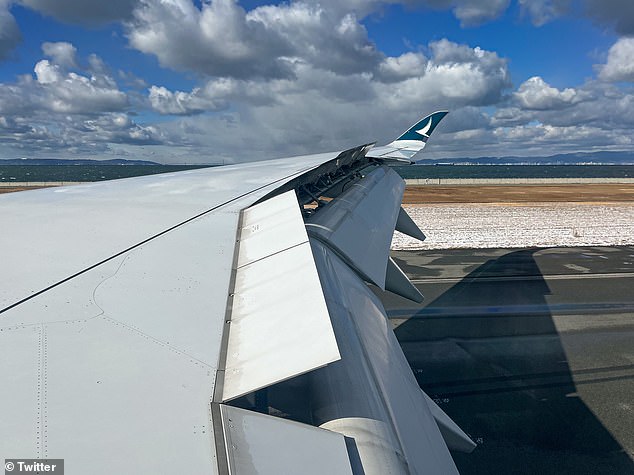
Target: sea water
(39, 173)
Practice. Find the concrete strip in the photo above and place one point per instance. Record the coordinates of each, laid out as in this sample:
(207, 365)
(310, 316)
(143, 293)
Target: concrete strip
(513, 181)
(38, 184)
(410, 181)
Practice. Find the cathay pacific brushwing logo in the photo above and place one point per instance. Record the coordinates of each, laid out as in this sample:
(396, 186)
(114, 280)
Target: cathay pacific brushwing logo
(424, 131)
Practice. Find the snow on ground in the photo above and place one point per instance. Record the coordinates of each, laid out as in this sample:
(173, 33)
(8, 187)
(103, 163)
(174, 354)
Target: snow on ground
(449, 226)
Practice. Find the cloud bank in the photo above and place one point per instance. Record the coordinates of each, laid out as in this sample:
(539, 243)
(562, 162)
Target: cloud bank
(302, 77)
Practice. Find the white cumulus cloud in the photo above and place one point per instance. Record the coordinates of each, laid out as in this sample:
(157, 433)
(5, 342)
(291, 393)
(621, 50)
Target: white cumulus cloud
(321, 110)
(222, 39)
(302, 77)
(454, 75)
(58, 111)
(398, 68)
(536, 94)
(62, 53)
(470, 76)
(165, 101)
(69, 92)
(620, 64)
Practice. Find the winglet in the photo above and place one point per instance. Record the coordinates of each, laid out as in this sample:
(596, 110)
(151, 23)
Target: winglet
(421, 130)
(411, 142)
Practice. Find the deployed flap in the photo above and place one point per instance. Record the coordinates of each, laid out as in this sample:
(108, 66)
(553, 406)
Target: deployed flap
(270, 227)
(359, 224)
(280, 325)
(454, 437)
(397, 282)
(266, 445)
(406, 225)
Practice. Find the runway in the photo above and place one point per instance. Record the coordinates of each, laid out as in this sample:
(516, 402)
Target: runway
(530, 351)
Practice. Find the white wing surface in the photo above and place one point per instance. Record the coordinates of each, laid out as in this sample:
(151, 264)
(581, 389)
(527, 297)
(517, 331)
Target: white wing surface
(280, 326)
(189, 323)
(52, 234)
(113, 307)
(257, 443)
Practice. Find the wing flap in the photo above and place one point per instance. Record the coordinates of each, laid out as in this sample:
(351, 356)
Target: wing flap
(280, 325)
(267, 230)
(266, 445)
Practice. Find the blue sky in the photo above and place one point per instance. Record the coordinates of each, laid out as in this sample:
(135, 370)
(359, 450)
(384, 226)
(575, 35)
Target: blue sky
(190, 81)
(560, 51)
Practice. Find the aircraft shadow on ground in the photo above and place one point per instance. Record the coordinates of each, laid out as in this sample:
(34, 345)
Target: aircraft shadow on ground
(488, 351)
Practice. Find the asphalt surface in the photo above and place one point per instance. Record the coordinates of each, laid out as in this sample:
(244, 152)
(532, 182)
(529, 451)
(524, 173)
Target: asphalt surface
(530, 351)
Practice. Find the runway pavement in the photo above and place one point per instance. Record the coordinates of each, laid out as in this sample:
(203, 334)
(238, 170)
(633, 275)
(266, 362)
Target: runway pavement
(530, 351)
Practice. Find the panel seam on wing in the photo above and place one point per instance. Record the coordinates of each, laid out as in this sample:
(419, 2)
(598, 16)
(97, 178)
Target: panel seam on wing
(155, 236)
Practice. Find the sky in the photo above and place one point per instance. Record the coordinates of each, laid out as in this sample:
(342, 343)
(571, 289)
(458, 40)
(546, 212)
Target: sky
(224, 81)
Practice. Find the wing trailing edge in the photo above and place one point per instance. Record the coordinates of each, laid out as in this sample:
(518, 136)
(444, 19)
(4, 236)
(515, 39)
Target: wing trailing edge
(279, 324)
(259, 444)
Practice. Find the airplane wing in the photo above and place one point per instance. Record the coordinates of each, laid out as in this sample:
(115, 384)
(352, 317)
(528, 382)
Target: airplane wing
(213, 321)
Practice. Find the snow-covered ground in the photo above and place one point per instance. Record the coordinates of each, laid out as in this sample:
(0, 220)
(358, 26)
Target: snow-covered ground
(450, 226)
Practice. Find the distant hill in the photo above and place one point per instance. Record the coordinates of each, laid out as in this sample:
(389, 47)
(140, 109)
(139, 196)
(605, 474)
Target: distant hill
(581, 158)
(54, 161)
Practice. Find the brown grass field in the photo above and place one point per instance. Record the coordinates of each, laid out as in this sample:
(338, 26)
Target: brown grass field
(9, 189)
(586, 193)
